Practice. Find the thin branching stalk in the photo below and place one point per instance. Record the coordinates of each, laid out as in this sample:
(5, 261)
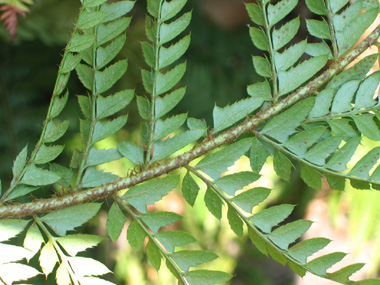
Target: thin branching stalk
(164, 253)
(94, 96)
(153, 119)
(57, 248)
(332, 30)
(60, 83)
(271, 53)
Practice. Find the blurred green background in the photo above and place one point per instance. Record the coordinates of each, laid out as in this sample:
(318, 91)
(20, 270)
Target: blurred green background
(219, 69)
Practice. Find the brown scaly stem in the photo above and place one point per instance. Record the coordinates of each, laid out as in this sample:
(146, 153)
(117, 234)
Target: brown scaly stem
(52, 204)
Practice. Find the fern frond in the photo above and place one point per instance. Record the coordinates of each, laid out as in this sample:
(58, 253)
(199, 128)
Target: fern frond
(182, 160)
(9, 17)
(313, 130)
(52, 130)
(278, 67)
(162, 244)
(265, 228)
(342, 23)
(106, 26)
(322, 137)
(208, 145)
(11, 254)
(161, 30)
(60, 249)
(64, 248)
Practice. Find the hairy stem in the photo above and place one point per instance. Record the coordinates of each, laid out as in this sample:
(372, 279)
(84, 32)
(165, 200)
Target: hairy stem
(48, 205)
